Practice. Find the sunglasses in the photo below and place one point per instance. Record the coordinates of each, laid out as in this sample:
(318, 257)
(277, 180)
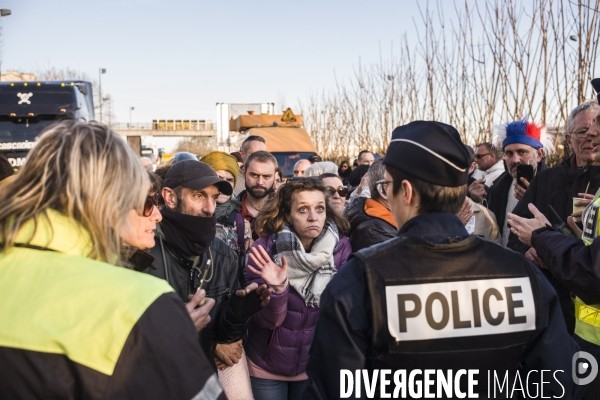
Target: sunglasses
(480, 156)
(149, 204)
(342, 191)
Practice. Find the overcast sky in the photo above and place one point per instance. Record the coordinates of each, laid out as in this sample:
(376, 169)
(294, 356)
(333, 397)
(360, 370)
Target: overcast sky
(175, 59)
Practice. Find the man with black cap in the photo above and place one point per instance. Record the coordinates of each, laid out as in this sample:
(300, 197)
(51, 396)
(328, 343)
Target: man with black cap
(435, 301)
(191, 258)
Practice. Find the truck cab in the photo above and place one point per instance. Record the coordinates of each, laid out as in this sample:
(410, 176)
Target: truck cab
(285, 137)
(27, 108)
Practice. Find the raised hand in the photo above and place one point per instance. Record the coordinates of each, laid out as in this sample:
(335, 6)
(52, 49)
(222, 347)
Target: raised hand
(273, 275)
(523, 227)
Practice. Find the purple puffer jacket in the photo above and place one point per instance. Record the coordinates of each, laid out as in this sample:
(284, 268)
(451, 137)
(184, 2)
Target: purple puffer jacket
(279, 336)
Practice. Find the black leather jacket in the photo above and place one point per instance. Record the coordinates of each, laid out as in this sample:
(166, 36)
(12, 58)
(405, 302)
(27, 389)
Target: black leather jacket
(365, 230)
(184, 275)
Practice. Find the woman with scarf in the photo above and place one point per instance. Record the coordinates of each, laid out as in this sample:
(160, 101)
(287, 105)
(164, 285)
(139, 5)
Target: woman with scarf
(301, 248)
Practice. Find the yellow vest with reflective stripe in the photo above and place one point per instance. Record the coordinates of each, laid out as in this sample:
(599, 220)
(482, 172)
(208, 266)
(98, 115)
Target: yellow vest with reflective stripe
(64, 303)
(587, 323)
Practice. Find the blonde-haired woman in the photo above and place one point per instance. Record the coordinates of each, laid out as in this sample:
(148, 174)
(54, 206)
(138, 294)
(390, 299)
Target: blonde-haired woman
(69, 316)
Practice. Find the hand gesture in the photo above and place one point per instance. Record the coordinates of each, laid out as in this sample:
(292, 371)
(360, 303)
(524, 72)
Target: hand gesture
(523, 227)
(198, 308)
(273, 275)
(477, 190)
(465, 212)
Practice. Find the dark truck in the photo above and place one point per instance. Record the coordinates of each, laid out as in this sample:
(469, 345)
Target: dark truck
(26, 108)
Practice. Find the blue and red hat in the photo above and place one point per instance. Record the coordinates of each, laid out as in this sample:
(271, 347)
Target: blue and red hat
(524, 132)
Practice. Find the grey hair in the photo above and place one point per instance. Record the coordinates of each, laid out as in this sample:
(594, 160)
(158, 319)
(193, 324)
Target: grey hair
(376, 172)
(586, 106)
(87, 173)
(320, 168)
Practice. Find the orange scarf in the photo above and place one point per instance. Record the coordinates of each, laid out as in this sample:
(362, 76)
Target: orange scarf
(376, 209)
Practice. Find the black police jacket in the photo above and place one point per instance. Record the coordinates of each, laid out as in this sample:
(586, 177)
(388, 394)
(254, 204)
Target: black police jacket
(344, 336)
(224, 326)
(366, 230)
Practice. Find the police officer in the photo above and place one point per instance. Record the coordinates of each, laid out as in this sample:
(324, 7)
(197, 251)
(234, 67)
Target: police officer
(434, 297)
(574, 261)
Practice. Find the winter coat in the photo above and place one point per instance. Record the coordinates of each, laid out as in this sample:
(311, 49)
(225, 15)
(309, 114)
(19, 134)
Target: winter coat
(483, 223)
(279, 336)
(224, 326)
(498, 197)
(556, 187)
(365, 230)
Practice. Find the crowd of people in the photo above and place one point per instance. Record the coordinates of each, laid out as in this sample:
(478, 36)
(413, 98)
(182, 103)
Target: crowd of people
(217, 277)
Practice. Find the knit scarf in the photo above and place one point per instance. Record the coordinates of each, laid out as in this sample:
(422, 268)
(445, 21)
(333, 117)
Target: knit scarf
(308, 273)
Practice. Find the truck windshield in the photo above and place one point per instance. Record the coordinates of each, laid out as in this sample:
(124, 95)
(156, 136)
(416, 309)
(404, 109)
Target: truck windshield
(286, 161)
(18, 130)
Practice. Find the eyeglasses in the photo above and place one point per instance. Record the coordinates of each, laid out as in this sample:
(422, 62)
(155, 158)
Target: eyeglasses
(582, 133)
(149, 204)
(480, 156)
(342, 191)
(381, 188)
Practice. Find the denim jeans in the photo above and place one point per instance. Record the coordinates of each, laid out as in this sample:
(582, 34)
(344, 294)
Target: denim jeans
(268, 389)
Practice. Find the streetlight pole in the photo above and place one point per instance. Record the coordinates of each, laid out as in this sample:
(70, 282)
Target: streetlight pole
(4, 12)
(130, 110)
(100, 72)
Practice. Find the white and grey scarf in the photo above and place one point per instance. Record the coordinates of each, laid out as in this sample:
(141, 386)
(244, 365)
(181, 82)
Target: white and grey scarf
(308, 273)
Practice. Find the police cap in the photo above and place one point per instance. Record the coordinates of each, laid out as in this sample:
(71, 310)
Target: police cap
(430, 151)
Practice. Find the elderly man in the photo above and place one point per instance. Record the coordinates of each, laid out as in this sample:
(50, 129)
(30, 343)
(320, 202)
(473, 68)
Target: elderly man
(191, 258)
(300, 167)
(523, 143)
(574, 261)
(365, 157)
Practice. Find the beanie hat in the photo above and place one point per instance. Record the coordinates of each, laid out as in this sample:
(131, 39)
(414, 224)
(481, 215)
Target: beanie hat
(219, 160)
(430, 151)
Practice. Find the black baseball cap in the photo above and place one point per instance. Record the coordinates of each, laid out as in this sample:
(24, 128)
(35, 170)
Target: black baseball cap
(195, 175)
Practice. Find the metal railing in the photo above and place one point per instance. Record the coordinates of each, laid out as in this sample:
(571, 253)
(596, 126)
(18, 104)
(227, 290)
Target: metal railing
(166, 125)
